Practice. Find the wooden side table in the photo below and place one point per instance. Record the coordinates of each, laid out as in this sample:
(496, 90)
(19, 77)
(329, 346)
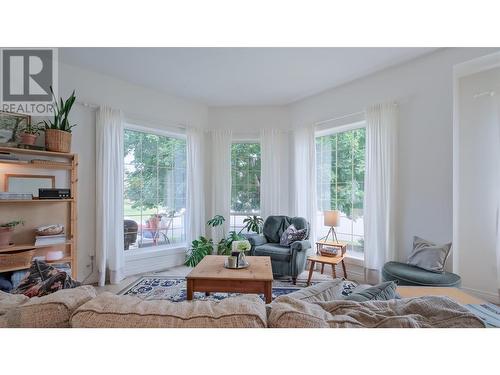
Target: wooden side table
(333, 261)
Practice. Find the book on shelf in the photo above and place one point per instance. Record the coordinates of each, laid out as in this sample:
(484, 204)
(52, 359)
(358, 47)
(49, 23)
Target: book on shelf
(50, 240)
(15, 196)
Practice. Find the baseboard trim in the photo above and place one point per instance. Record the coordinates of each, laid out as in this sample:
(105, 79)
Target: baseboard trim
(487, 296)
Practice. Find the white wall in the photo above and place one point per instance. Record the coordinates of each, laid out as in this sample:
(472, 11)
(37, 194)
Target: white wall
(249, 120)
(478, 179)
(141, 105)
(424, 90)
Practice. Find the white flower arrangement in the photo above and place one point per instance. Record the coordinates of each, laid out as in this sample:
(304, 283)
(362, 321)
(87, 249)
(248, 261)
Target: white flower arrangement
(241, 246)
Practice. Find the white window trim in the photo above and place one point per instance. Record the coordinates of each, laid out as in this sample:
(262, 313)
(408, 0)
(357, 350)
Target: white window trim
(352, 259)
(340, 129)
(155, 131)
(139, 257)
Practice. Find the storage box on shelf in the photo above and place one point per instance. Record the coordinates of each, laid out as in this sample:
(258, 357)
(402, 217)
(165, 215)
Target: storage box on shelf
(38, 212)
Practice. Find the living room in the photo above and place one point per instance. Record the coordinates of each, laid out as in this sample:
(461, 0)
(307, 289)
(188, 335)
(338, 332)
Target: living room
(249, 185)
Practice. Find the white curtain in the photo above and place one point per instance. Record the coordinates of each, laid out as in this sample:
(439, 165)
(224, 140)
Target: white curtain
(109, 195)
(304, 170)
(271, 189)
(195, 210)
(221, 177)
(380, 184)
(497, 104)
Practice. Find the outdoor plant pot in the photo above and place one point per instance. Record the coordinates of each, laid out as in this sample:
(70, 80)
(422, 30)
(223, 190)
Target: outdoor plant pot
(57, 140)
(28, 139)
(5, 236)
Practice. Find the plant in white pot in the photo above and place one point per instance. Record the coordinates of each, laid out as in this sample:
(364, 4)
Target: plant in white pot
(58, 130)
(29, 134)
(6, 230)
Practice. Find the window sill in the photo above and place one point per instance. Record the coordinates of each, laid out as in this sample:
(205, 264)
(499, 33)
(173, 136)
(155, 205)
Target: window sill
(355, 260)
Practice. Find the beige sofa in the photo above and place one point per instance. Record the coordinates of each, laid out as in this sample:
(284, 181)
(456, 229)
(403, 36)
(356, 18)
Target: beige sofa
(314, 307)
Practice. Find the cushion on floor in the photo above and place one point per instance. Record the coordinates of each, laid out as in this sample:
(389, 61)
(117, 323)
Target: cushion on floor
(410, 275)
(274, 250)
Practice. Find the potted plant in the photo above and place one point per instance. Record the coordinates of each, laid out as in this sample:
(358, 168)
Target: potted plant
(6, 230)
(58, 130)
(253, 224)
(199, 249)
(29, 134)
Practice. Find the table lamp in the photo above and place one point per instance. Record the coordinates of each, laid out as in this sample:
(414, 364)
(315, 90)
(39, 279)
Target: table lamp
(331, 219)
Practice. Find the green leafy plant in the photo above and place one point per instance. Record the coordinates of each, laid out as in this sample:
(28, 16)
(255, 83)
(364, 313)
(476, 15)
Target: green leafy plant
(216, 221)
(253, 224)
(12, 224)
(29, 128)
(199, 249)
(61, 113)
(225, 245)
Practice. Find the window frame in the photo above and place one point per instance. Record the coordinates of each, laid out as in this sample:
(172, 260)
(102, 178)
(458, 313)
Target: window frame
(180, 247)
(359, 124)
(232, 214)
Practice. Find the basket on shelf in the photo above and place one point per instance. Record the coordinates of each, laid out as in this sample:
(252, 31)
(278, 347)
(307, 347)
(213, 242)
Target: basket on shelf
(16, 260)
(332, 253)
(331, 250)
(57, 140)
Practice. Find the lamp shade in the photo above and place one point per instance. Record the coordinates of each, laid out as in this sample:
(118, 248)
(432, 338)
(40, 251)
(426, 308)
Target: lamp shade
(331, 218)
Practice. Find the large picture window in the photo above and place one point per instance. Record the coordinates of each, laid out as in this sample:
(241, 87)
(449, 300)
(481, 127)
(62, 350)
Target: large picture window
(245, 182)
(154, 189)
(340, 163)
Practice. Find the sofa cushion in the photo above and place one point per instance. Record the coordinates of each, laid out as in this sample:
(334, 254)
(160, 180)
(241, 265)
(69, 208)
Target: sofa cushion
(410, 275)
(381, 292)
(274, 226)
(291, 235)
(325, 291)
(8, 302)
(428, 255)
(275, 251)
(421, 312)
(109, 310)
(50, 311)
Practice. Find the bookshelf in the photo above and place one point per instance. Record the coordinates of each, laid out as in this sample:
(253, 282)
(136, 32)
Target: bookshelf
(37, 212)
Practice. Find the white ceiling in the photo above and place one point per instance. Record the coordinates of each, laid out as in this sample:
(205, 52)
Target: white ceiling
(239, 76)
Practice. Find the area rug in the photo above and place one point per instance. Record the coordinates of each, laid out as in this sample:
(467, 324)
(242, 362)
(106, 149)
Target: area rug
(174, 289)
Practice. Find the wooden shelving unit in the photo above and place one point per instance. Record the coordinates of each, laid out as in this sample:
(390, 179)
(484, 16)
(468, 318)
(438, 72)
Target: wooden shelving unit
(43, 211)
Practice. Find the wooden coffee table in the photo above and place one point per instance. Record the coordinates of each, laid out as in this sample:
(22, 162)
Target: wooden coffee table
(210, 275)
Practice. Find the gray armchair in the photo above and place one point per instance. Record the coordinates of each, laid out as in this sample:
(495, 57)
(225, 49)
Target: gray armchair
(286, 261)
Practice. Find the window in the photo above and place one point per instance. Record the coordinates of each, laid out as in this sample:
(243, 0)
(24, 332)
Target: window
(340, 163)
(245, 182)
(154, 189)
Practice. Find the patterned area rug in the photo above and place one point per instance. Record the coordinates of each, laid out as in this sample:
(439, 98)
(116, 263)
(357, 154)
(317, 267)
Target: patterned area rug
(174, 289)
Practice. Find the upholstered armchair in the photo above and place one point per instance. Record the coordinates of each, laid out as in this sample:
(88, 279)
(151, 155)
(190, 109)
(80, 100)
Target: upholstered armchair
(285, 261)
